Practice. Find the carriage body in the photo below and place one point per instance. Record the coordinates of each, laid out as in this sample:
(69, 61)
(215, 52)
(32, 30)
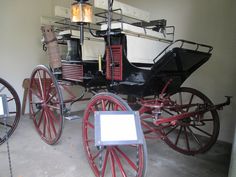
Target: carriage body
(147, 75)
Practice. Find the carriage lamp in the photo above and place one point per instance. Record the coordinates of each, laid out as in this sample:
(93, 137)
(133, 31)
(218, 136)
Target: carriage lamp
(81, 13)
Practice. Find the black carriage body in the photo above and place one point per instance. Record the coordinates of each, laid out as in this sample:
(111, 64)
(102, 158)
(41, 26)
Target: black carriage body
(140, 79)
(136, 79)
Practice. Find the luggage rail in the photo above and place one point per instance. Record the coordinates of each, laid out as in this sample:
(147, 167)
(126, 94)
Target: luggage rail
(154, 25)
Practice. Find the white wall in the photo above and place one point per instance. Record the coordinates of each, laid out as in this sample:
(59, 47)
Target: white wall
(63, 3)
(207, 22)
(20, 35)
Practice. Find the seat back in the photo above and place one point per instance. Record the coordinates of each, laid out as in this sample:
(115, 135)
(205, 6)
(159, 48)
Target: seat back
(177, 64)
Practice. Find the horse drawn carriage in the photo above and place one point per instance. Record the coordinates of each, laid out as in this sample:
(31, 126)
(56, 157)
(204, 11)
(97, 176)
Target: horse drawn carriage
(183, 117)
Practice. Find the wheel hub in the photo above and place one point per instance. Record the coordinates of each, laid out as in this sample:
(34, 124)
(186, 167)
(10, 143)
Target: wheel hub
(38, 105)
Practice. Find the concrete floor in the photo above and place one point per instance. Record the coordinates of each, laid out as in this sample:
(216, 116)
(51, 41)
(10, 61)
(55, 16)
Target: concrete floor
(31, 157)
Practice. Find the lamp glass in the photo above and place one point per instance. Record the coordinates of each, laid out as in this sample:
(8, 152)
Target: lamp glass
(81, 12)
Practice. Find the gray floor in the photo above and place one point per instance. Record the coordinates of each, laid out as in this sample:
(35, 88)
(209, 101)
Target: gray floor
(31, 157)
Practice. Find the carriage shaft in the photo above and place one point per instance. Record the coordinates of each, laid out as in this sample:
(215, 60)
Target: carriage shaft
(202, 109)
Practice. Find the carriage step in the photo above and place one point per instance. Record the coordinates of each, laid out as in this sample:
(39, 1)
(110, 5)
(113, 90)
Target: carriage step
(72, 117)
(131, 83)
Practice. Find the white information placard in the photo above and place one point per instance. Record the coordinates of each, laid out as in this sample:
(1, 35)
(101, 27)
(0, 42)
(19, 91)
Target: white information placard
(117, 128)
(1, 107)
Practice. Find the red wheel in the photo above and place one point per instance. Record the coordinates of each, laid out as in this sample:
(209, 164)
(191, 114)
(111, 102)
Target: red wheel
(194, 134)
(14, 110)
(126, 160)
(46, 105)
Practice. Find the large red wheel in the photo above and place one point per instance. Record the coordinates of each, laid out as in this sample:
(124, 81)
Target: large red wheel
(195, 134)
(126, 160)
(46, 105)
(14, 110)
